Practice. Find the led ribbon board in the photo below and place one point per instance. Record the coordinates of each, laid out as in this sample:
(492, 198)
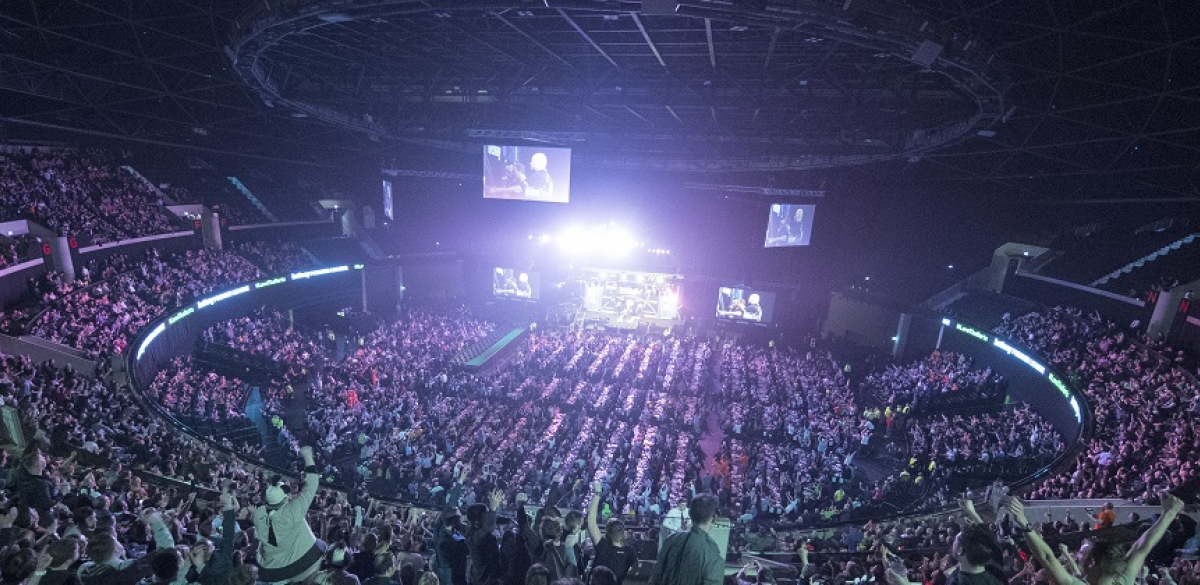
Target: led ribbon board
(149, 338)
(214, 299)
(180, 315)
(210, 301)
(321, 272)
(1020, 355)
(973, 332)
(1023, 358)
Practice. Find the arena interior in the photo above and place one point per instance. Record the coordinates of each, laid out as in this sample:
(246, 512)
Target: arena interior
(567, 292)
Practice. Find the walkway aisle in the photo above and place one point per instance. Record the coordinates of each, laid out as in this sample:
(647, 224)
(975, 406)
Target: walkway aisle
(714, 427)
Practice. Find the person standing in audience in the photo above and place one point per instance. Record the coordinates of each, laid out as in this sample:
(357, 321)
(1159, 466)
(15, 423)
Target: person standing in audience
(1104, 561)
(610, 550)
(482, 545)
(109, 564)
(289, 552)
(692, 557)
(677, 517)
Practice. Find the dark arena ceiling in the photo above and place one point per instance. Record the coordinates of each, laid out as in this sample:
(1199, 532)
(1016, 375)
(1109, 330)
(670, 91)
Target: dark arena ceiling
(1049, 101)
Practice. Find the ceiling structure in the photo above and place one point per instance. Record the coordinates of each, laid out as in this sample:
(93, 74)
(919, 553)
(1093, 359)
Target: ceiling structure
(1033, 100)
(708, 87)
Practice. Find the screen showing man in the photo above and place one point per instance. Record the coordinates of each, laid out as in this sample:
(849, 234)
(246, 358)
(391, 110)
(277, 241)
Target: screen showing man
(527, 173)
(789, 225)
(518, 284)
(743, 304)
(387, 200)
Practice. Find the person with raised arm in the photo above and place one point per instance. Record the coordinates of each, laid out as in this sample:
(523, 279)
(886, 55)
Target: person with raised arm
(482, 545)
(109, 565)
(288, 550)
(974, 549)
(610, 549)
(214, 563)
(1103, 562)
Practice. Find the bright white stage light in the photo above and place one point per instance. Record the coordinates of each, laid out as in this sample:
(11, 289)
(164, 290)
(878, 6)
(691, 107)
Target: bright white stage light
(608, 239)
(573, 240)
(617, 242)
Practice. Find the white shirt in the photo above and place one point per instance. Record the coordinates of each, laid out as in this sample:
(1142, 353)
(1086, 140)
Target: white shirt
(675, 518)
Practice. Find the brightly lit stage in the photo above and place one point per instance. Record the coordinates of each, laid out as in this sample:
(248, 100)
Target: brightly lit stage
(629, 300)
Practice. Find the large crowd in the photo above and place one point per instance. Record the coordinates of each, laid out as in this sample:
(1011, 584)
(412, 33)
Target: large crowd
(942, 380)
(576, 420)
(80, 193)
(112, 300)
(539, 465)
(1009, 443)
(396, 417)
(1143, 406)
(105, 316)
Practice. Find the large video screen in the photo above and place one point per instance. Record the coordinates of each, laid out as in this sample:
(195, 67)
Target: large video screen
(745, 304)
(626, 297)
(515, 284)
(789, 225)
(387, 200)
(527, 173)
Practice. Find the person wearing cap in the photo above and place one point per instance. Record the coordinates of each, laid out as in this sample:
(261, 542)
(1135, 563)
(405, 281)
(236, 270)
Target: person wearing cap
(288, 551)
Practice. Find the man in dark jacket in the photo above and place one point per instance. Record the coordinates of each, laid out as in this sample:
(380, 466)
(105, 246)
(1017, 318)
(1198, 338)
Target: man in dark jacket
(481, 540)
(446, 553)
(452, 550)
(33, 488)
(692, 558)
(518, 546)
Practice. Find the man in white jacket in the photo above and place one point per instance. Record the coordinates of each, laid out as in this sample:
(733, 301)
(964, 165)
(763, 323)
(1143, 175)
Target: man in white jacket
(288, 551)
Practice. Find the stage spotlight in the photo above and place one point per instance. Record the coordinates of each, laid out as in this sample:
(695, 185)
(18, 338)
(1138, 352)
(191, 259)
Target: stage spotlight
(616, 241)
(608, 239)
(573, 240)
(544, 239)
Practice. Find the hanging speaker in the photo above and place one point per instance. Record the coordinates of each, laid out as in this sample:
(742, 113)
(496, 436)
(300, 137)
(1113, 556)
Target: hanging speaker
(927, 53)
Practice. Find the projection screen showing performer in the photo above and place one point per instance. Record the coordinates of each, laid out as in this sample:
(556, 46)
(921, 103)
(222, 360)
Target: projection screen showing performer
(745, 304)
(527, 173)
(516, 284)
(789, 225)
